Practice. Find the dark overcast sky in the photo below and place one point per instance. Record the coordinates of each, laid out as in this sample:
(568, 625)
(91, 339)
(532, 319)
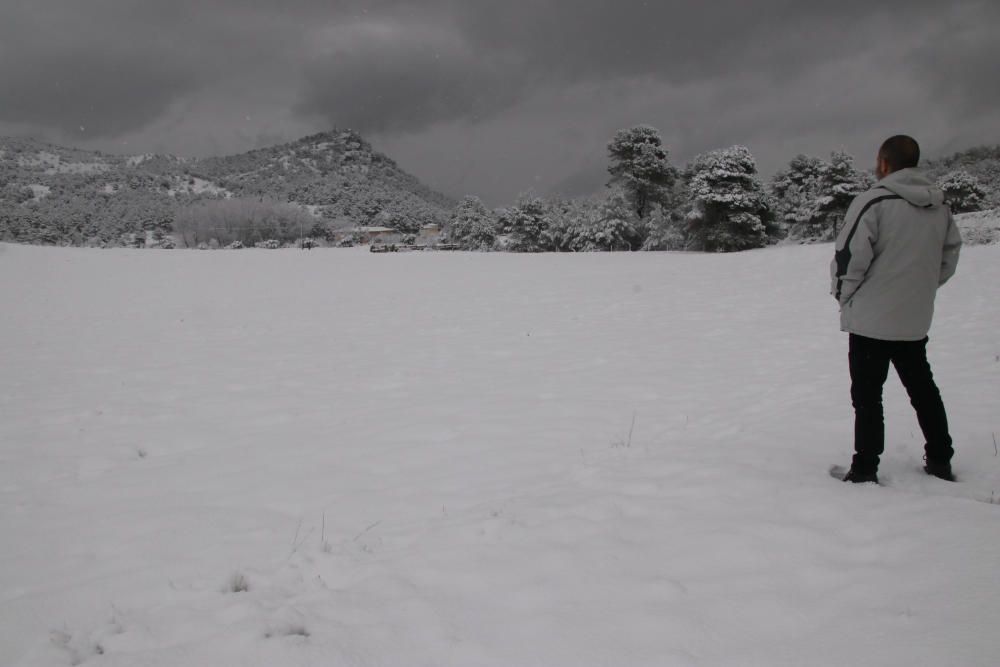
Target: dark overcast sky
(497, 97)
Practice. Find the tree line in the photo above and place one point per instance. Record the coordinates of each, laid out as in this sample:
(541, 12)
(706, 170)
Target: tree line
(717, 203)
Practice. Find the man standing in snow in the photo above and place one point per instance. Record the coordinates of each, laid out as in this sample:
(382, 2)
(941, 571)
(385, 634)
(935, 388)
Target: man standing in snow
(899, 244)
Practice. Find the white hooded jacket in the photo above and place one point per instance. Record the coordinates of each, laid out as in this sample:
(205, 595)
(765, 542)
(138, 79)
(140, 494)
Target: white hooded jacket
(899, 243)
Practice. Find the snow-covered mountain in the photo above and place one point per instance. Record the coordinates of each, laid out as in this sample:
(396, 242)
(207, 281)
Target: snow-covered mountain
(53, 194)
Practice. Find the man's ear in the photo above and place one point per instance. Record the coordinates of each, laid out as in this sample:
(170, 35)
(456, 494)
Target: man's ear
(882, 168)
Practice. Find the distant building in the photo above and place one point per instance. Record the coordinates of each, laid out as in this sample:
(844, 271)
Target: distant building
(369, 235)
(429, 234)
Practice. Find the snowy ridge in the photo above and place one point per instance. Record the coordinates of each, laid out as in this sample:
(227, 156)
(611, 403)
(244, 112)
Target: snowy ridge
(574, 459)
(98, 199)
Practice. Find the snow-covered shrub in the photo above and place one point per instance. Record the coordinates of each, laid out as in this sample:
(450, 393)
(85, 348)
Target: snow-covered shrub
(270, 244)
(979, 227)
(237, 583)
(246, 219)
(307, 244)
(962, 191)
(730, 209)
(166, 243)
(235, 245)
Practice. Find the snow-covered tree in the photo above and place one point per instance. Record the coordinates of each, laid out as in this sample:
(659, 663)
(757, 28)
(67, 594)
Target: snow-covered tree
(730, 208)
(665, 231)
(566, 220)
(794, 191)
(962, 191)
(612, 226)
(472, 225)
(528, 223)
(841, 182)
(811, 196)
(641, 168)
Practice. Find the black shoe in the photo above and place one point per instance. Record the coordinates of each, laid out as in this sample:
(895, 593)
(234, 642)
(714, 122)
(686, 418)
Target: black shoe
(861, 477)
(939, 469)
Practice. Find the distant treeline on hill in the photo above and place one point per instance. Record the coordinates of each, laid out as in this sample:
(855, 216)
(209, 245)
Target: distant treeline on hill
(313, 187)
(312, 190)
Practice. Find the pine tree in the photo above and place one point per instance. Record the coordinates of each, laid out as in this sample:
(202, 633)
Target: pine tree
(610, 227)
(794, 191)
(840, 183)
(472, 225)
(811, 196)
(640, 166)
(730, 208)
(962, 191)
(528, 223)
(665, 231)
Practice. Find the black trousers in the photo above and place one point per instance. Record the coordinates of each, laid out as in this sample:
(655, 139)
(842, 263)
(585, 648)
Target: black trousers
(869, 361)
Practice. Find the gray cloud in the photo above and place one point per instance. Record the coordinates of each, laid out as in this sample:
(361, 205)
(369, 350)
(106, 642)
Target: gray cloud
(493, 97)
(379, 75)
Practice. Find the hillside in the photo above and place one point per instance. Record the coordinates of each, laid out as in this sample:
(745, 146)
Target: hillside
(55, 195)
(982, 162)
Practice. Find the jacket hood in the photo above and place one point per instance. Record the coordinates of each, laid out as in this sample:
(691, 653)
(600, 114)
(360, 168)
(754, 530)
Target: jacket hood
(913, 186)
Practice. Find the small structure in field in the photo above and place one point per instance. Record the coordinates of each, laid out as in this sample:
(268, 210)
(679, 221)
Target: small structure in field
(369, 235)
(430, 234)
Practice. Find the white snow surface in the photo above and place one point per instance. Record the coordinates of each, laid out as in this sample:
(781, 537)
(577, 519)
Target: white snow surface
(40, 191)
(430, 459)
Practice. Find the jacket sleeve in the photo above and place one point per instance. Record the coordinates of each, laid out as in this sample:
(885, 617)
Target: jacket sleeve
(952, 246)
(854, 254)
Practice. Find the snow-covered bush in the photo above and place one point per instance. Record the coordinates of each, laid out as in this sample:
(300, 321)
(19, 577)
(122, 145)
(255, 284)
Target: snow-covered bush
(979, 227)
(237, 583)
(270, 244)
(235, 245)
(730, 209)
(307, 244)
(962, 191)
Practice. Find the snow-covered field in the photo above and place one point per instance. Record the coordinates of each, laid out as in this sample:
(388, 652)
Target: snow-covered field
(478, 459)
